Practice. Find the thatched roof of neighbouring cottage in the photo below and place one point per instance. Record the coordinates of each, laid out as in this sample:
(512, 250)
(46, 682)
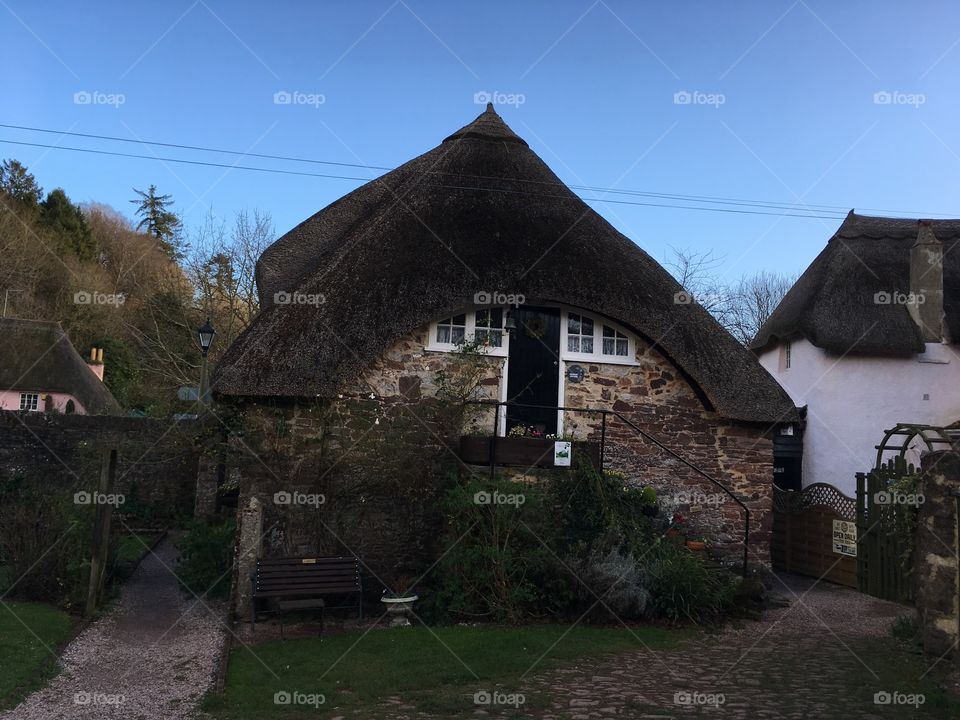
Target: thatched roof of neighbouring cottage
(37, 356)
(480, 212)
(833, 303)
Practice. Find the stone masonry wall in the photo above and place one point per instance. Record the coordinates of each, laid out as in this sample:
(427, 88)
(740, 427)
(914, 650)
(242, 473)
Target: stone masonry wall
(937, 571)
(374, 454)
(657, 398)
(156, 463)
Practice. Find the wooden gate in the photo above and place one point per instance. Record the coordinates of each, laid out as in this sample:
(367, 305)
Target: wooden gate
(814, 533)
(886, 520)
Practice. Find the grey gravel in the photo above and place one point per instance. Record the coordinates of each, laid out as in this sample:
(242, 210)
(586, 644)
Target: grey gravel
(153, 655)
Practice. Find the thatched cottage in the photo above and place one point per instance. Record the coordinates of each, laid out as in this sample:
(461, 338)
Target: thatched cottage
(364, 307)
(41, 371)
(866, 339)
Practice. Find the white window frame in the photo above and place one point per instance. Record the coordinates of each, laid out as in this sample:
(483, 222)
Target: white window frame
(597, 356)
(470, 333)
(35, 401)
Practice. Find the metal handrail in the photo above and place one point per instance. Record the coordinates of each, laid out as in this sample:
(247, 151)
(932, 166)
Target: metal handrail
(603, 433)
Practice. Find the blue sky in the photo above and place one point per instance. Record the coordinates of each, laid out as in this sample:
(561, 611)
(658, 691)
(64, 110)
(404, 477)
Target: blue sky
(785, 106)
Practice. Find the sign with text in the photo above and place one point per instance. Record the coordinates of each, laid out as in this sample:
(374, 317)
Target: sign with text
(845, 537)
(561, 453)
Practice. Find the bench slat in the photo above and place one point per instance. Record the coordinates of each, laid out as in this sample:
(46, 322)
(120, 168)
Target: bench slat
(304, 591)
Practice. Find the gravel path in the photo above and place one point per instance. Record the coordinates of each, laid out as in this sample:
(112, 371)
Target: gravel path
(151, 656)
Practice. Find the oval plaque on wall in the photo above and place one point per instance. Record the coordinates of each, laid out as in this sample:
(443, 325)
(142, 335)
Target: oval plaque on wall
(575, 373)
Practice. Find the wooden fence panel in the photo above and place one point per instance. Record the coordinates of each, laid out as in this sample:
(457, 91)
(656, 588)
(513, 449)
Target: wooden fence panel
(803, 533)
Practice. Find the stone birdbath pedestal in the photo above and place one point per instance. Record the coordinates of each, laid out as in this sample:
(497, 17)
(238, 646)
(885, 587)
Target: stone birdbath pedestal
(399, 608)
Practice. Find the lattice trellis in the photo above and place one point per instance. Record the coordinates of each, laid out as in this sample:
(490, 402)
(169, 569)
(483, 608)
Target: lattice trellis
(818, 494)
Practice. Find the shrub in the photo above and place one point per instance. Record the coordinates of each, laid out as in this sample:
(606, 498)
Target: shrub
(621, 584)
(682, 588)
(499, 567)
(578, 537)
(46, 541)
(206, 557)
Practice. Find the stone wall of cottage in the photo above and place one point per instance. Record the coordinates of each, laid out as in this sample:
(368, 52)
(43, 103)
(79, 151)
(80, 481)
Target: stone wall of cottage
(658, 399)
(375, 452)
(937, 541)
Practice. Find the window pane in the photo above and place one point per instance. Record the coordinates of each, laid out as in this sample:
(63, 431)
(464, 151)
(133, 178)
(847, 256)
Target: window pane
(573, 324)
(587, 326)
(587, 344)
(460, 320)
(496, 318)
(573, 343)
(457, 334)
(608, 346)
(608, 332)
(496, 338)
(483, 318)
(621, 347)
(443, 334)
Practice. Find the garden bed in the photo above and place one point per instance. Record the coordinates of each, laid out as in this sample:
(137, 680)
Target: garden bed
(521, 451)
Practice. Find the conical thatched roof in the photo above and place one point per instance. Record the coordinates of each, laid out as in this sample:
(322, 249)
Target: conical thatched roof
(480, 212)
(833, 303)
(37, 356)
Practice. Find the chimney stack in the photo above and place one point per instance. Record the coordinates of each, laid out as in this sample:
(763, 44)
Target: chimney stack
(95, 363)
(925, 302)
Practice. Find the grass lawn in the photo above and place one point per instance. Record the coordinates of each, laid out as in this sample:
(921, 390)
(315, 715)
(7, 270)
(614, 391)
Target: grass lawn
(417, 664)
(131, 547)
(25, 664)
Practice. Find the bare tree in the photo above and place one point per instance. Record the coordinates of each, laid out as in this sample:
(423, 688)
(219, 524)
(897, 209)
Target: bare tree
(741, 306)
(697, 273)
(752, 300)
(222, 265)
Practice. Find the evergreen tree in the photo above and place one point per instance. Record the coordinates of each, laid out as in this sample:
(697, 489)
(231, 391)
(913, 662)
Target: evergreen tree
(19, 184)
(158, 220)
(68, 225)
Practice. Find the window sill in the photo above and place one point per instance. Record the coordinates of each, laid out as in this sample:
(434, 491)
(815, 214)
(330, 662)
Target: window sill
(492, 352)
(598, 359)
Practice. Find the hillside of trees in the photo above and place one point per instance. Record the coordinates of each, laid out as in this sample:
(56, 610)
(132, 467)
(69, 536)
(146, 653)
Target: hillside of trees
(137, 288)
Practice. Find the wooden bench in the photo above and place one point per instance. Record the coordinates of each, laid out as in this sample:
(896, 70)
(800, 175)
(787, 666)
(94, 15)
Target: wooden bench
(305, 583)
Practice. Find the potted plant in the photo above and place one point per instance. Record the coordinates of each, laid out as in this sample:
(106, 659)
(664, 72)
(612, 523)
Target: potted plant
(399, 602)
(675, 528)
(696, 542)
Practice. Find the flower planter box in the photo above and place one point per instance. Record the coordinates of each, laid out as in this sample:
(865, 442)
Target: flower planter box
(521, 451)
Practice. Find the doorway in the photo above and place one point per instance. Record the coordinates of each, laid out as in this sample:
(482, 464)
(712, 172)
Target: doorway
(533, 374)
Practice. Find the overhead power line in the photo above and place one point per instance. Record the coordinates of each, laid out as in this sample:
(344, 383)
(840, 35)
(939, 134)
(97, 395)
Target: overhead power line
(452, 187)
(828, 212)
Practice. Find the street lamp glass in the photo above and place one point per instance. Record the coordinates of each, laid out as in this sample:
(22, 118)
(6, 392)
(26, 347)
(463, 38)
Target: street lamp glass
(206, 336)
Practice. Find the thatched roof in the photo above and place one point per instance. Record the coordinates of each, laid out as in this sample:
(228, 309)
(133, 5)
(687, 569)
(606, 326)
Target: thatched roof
(37, 356)
(480, 212)
(833, 303)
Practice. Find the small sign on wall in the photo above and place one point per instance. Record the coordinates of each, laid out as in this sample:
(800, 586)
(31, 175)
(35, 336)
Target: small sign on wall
(845, 537)
(561, 453)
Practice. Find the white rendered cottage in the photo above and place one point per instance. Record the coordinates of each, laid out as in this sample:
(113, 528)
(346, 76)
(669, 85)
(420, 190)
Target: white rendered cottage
(866, 339)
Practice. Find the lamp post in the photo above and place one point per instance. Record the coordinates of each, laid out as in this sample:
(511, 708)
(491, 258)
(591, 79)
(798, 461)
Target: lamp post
(205, 333)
